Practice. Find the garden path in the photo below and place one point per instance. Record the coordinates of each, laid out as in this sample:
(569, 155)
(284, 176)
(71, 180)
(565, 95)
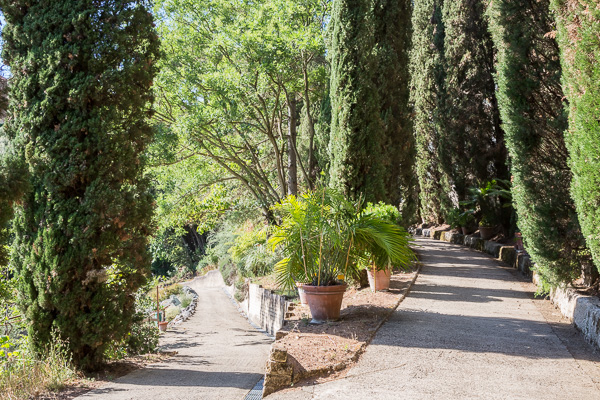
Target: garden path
(469, 329)
(219, 355)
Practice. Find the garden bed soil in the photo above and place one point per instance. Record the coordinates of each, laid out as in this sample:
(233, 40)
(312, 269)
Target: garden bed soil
(324, 352)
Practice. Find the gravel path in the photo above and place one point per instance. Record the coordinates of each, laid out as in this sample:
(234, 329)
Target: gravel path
(219, 355)
(469, 329)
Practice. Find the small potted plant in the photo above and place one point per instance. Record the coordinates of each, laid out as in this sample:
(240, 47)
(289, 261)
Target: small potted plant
(462, 220)
(486, 202)
(321, 237)
(486, 228)
(162, 322)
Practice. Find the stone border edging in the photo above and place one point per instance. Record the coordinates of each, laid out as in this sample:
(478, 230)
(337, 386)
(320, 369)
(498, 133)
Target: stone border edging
(279, 374)
(187, 312)
(583, 311)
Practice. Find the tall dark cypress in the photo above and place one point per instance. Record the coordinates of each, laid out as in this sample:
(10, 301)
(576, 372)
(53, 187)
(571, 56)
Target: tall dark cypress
(578, 24)
(392, 44)
(82, 71)
(534, 119)
(357, 137)
(427, 74)
(371, 143)
(472, 146)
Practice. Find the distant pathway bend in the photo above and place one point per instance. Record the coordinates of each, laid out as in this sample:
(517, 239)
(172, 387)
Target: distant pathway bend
(469, 329)
(219, 355)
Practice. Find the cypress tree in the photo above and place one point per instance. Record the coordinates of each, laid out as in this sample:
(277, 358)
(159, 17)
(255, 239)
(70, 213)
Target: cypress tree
(427, 74)
(392, 44)
(13, 183)
(578, 24)
(534, 119)
(357, 132)
(371, 143)
(82, 72)
(471, 149)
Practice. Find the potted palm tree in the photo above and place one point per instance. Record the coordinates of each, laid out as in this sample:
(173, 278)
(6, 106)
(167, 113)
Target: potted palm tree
(322, 237)
(487, 201)
(378, 263)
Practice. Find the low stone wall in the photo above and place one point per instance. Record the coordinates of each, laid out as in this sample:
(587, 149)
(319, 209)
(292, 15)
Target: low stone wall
(265, 308)
(583, 311)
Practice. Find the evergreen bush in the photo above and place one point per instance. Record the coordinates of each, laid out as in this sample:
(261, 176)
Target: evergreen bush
(426, 70)
(471, 144)
(578, 24)
(530, 98)
(80, 92)
(357, 133)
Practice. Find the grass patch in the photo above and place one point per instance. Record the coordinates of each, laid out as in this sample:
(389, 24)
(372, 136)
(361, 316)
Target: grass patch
(24, 376)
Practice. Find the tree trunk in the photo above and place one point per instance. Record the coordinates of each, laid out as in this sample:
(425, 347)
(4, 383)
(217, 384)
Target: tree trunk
(312, 165)
(292, 135)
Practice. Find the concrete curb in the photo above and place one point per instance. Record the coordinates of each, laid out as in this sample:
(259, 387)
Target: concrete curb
(583, 311)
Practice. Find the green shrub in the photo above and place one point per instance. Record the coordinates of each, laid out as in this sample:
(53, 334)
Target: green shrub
(577, 26)
(142, 339)
(186, 300)
(172, 312)
(79, 113)
(384, 211)
(25, 375)
(250, 253)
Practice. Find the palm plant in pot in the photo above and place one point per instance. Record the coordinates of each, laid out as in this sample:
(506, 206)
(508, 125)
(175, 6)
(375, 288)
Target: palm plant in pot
(375, 259)
(322, 237)
(487, 202)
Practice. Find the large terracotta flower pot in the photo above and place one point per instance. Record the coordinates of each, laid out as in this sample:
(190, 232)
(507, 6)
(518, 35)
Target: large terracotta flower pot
(380, 280)
(325, 302)
(301, 293)
(486, 232)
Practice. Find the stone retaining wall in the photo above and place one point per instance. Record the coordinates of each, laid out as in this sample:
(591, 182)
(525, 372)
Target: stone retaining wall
(265, 308)
(583, 311)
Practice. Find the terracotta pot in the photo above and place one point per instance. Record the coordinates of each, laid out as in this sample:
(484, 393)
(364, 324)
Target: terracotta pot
(301, 293)
(379, 281)
(486, 232)
(162, 326)
(465, 230)
(325, 302)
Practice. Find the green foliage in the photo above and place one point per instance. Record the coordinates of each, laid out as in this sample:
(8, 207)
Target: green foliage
(577, 25)
(225, 118)
(79, 99)
(384, 211)
(13, 183)
(371, 143)
(322, 235)
(427, 74)
(172, 255)
(25, 375)
(471, 143)
(172, 312)
(357, 133)
(392, 31)
(186, 300)
(486, 202)
(250, 252)
(530, 98)
(460, 218)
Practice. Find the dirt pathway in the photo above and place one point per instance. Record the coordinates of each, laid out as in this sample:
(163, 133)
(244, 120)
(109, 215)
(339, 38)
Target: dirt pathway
(469, 329)
(220, 356)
